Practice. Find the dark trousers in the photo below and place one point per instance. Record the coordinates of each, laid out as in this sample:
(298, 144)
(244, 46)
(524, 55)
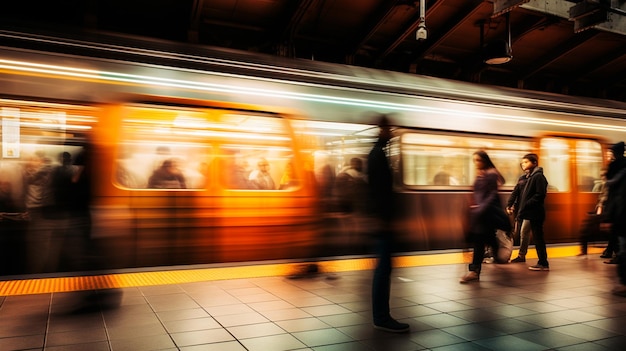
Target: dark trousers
(621, 262)
(589, 230)
(381, 283)
(613, 245)
(482, 240)
(536, 226)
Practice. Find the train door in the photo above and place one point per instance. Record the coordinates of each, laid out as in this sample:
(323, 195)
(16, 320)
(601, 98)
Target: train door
(572, 167)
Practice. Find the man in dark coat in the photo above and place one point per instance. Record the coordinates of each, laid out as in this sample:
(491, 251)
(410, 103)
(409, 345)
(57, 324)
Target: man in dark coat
(614, 201)
(532, 208)
(380, 180)
(616, 210)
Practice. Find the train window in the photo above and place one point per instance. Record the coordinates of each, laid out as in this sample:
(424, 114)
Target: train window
(36, 138)
(177, 148)
(333, 146)
(162, 148)
(555, 160)
(256, 154)
(445, 160)
(589, 163)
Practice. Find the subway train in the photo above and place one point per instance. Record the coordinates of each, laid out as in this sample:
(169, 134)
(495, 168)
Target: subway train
(201, 155)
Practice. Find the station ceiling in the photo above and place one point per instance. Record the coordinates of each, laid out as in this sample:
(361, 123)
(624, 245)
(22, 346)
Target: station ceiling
(575, 47)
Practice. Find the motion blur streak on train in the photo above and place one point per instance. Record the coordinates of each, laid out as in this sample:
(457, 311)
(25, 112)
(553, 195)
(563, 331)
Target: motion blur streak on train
(205, 156)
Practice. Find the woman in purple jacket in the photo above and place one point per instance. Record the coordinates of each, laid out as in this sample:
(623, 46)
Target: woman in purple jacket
(486, 212)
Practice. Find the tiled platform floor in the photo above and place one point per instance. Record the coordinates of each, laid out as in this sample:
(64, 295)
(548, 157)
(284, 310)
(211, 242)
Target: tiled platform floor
(511, 308)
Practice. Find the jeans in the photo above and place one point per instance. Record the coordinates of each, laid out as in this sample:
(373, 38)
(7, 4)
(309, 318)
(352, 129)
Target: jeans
(482, 240)
(524, 238)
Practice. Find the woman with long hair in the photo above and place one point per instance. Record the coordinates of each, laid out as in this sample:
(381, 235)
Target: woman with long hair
(486, 212)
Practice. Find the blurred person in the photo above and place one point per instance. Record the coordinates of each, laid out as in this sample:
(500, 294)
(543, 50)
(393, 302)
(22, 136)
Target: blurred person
(532, 209)
(617, 163)
(168, 176)
(443, 177)
(37, 173)
(350, 186)
(590, 227)
(13, 221)
(59, 213)
(382, 197)
(238, 173)
(486, 213)
(261, 177)
(289, 178)
(616, 211)
(84, 249)
(511, 209)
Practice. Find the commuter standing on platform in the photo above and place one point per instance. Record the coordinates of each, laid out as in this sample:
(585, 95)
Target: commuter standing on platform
(616, 211)
(614, 202)
(532, 209)
(590, 227)
(486, 213)
(381, 193)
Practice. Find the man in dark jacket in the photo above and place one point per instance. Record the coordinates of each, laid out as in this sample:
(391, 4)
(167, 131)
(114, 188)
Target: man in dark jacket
(616, 210)
(380, 181)
(532, 208)
(614, 201)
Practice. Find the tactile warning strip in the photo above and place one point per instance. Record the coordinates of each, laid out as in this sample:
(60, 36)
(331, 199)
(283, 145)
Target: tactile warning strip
(125, 280)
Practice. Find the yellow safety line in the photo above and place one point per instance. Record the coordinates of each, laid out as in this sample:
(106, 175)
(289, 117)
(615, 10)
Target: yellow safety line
(125, 280)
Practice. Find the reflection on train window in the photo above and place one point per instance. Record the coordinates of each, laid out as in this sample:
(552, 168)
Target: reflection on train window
(589, 162)
(162, 148)
(180, 148)
(331, 146)
(34, 136)
(444, 160)
(258, 156)
(555, 159)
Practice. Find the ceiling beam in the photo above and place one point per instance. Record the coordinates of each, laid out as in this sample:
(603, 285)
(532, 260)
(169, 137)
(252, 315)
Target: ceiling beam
(374, 23)
(598, 64)
(616, 17)
(556, 53)
(290, 28)
(195, 20)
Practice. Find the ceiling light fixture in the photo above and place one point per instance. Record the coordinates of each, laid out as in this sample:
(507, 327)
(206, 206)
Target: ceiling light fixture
(499, 51)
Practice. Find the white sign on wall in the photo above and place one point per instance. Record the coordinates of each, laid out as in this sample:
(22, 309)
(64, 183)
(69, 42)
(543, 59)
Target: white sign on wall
(10, 132)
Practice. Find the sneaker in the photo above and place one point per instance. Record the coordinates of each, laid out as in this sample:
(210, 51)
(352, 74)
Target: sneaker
(518, 259)
(393, 326)
(470, 276)
(539, 267)
(619, 291)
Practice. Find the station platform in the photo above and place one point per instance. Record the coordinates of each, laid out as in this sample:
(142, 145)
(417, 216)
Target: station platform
(261, 307)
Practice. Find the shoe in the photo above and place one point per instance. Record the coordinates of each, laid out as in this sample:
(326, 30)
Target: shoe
(470, 276)
(612, 261)
(606, 255)
(305, 271)
(539, 267)
(619, 290)
(518, 259)
(488, 260)
(393, 326)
